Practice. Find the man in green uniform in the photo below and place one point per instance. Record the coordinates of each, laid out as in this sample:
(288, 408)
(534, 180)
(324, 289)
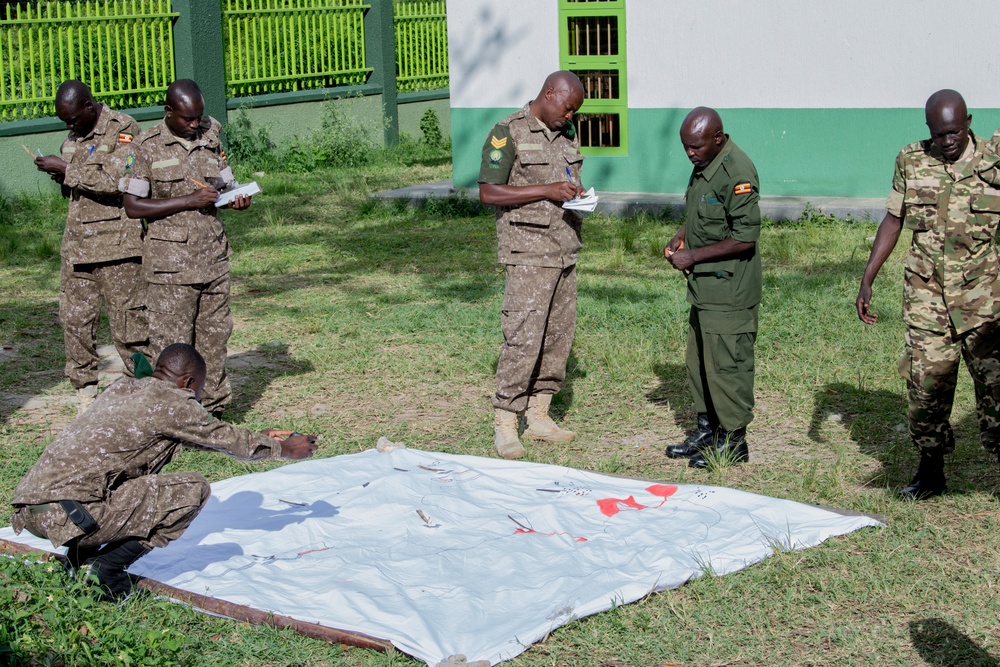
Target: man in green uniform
(101, 246)
(944, 190)
(531, 165)
(174, 182)
(717, 250)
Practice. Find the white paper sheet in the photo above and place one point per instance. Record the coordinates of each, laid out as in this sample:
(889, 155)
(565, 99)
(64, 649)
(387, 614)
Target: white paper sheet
(586, 202)
(508, 551)
(228, 196)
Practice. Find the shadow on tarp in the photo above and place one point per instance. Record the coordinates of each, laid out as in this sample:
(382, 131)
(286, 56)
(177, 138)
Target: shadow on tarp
(246, 510)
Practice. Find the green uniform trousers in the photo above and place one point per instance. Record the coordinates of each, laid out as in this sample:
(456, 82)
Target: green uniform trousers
(930, 368)
(720, 364)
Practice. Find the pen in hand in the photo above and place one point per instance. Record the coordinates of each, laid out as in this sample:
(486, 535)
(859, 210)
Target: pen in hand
(198, 183)
(569, 175)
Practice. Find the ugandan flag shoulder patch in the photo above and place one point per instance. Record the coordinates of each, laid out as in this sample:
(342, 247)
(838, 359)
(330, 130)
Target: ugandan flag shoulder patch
(742, 189)
(498, 143)
(124, 138)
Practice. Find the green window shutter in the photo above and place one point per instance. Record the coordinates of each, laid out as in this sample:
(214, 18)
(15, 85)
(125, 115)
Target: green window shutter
(592, 44)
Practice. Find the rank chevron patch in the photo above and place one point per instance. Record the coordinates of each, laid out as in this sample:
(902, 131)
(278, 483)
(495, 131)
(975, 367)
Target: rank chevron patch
(498, 143)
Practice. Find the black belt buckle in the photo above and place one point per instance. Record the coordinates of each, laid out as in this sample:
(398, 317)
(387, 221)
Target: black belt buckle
(79, 515)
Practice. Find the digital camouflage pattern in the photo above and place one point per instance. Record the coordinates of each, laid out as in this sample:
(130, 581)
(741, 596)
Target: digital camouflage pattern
(109, 457)
(521, 151)
(723, 201)
(173, 309)
(538, 320)
(82, 288)
(538, 243)
(951, 287)
(187, 253)
(101, 249)
(189, 247)
(97, 229)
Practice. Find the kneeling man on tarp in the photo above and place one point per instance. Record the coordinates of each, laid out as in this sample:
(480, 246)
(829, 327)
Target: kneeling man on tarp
(96, 489)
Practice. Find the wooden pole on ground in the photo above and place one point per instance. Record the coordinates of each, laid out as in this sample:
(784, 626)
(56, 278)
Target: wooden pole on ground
(231, 610)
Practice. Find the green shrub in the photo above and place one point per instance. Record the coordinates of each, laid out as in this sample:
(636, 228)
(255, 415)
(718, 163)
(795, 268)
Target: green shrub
(431, 128)
(252, 149)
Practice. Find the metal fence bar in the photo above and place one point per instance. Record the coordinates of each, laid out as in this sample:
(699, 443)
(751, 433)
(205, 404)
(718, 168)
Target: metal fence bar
(277, 46)
(123, 49)
(421, 29)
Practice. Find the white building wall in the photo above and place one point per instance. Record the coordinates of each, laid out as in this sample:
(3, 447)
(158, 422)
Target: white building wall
(740, 54)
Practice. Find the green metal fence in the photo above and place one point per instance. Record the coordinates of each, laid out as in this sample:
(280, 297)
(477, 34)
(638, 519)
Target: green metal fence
(421, 45)
(275, 46)
(123, 49)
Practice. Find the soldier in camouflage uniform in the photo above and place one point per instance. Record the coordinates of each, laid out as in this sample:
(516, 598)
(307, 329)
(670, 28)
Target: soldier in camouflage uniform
(101, 247)
(717, 251)
(943, 191)
(97, 483)
(174, 183)
(530, 166)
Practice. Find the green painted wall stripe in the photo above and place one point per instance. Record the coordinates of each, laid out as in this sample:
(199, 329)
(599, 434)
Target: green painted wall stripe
(798, 152)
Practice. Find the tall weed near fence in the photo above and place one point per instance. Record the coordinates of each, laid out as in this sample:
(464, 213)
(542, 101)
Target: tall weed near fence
(123, 49)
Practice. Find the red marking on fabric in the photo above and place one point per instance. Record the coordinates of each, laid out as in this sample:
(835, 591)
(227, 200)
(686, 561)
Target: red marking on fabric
(527, 531)
(610, 506)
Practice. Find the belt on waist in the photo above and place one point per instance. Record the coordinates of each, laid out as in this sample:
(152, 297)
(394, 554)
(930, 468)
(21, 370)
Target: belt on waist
(41, 509)
(74, 509)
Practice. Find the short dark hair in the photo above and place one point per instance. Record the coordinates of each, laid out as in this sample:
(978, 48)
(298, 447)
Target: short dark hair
(181, 359)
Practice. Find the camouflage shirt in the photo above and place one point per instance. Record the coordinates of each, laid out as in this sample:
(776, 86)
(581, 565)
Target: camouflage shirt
(189, 247)
(133, 429)
(950, 276)
(521, 151)
(97, 229)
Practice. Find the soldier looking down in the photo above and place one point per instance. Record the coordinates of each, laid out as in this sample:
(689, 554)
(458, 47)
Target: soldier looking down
(530, 166)
(717, 251)
(950, 285)
(97, 485)
(174, 183)
(101, 247)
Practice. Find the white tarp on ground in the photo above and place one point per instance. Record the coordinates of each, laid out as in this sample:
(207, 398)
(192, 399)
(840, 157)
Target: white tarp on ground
(445, 554)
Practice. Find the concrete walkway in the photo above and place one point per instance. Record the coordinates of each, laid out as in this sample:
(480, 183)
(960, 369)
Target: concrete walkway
(630, 203)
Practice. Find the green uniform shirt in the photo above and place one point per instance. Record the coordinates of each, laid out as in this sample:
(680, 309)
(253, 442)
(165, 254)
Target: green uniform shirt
(723, 201)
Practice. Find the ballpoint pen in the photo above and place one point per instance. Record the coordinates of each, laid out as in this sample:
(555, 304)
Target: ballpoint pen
(569, 176)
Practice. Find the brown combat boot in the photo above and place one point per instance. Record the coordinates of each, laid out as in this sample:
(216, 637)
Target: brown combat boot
(540, 425)
(507, 444)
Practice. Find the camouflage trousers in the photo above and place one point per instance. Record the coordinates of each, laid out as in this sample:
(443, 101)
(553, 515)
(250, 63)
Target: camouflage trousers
(538, 320)
(155, 509)
(198, 315)
(930, 367)
(720, 364)
(120, 286)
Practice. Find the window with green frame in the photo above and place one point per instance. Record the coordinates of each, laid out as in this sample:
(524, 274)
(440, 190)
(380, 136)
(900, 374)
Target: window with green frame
(592, 44)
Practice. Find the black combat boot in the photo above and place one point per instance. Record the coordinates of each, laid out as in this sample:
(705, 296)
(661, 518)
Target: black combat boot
(929, 480)
(700, 437)
(109, 565)
(727, 447)
(77, 556)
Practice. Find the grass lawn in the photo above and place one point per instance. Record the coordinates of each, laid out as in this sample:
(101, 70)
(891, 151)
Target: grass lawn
(357, 319)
